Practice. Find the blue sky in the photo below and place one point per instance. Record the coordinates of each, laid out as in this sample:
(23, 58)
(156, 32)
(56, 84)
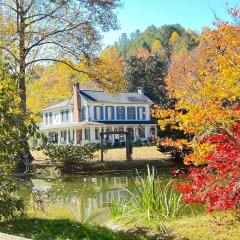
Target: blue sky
(139, 14)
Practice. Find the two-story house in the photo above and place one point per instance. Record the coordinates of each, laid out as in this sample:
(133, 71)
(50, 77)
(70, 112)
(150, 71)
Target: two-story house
(81, 118)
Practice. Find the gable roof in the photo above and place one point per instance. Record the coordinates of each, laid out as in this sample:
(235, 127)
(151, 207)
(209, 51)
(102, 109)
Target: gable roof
(104, 97)
(66, 103)
(127, 97)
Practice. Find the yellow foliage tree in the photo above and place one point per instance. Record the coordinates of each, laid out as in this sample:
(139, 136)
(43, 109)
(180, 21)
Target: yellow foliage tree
(205, 83)
(55, 81)
(157, 48)
(174, 38)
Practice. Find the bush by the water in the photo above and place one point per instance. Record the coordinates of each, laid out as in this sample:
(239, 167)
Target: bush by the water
(71, 155)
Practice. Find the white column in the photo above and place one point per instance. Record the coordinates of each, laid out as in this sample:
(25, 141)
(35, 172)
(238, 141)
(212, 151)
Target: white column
(125, 129)
(92, 134)
(59, 137)
(75, 136)
(146, 132)
(67, 136)
(134, 133)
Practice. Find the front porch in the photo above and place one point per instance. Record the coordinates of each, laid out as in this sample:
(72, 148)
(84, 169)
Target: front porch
(90, 132)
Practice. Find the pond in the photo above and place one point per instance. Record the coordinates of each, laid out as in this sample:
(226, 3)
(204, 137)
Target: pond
(80, 198)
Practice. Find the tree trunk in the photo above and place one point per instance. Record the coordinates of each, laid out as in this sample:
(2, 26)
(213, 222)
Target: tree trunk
(25, 157)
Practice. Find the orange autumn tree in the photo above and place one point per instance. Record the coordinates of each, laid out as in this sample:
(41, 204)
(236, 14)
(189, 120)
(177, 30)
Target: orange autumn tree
(206, 85)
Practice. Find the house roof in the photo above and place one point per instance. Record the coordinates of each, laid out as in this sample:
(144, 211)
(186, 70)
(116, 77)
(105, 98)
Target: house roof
(126, 122)
(65, 103)
(104, 97)
(126, 97)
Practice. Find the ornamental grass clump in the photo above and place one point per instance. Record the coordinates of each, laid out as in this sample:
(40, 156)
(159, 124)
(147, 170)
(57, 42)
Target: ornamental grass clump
(150, 202)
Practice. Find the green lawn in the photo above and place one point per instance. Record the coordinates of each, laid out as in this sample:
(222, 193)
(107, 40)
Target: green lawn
(63, 229)
(221, 226)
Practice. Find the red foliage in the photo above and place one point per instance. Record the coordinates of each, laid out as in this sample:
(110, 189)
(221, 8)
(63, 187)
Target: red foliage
(217, 185)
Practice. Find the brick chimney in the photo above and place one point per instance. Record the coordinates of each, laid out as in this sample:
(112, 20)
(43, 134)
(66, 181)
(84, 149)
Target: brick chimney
(76, 103)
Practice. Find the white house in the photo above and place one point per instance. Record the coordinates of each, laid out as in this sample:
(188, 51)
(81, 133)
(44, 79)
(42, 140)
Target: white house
(81, 118)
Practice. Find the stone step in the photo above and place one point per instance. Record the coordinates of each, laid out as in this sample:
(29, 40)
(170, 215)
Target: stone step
(4, 236)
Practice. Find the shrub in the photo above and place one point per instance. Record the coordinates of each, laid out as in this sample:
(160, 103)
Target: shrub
(69, 156)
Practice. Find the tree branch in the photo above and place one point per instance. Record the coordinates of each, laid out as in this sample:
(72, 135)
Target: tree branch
(60, 61)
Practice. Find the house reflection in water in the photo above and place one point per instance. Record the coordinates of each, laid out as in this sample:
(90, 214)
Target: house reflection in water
(87, 198)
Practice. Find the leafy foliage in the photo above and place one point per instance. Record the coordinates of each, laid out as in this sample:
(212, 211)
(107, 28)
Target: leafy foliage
(10, 143)
(70, 156)
(53, 83)
(148, 73)
(128, 46)
(205, 84)
(217, 184)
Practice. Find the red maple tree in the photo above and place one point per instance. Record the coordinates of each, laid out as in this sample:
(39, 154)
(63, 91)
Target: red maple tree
(217, 184)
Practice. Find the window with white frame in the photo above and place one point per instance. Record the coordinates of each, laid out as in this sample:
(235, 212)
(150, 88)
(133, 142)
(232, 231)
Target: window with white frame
(87, 134)
(46, 119)
(98, 112)
(71, 136)
(65, 116)
(109, 112)
(63, 137)
(53, 137)
(141, 113)
(131, 113)
(84, 113)
(120, 113)
(50, 118)
(97, 133)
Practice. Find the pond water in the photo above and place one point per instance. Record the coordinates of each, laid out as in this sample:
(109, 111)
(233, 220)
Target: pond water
(80, 198)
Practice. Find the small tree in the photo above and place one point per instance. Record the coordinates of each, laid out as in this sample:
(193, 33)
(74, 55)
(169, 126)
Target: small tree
(11, 147)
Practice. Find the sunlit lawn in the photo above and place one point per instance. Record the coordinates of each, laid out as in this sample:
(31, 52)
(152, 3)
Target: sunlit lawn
(119, 154)
(220, 226)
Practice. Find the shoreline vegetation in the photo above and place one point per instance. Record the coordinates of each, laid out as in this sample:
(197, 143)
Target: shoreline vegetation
(149, 156)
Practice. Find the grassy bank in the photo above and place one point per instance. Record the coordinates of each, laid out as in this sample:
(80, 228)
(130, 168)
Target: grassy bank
(217, 226)
(63, 229)
(220, 226)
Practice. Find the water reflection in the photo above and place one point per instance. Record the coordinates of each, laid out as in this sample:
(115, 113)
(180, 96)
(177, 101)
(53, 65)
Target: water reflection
(85, 198)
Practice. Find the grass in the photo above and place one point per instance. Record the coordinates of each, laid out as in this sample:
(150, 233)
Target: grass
(118, 154)
(114, 161)
(217, 226)
(64, 229)
(150, 203)
(139, 153)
